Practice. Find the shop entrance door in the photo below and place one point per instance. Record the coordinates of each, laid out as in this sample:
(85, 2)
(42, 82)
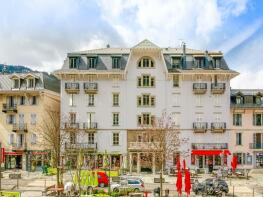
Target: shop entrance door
(201, 161)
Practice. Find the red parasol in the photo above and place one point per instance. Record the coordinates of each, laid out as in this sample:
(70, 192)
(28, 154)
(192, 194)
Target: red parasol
(179, 182)
(187, 181)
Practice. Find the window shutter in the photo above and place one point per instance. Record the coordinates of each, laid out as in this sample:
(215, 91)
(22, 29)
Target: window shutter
(139, 120)
(254, 119)
(139, 101)
(152, 82)
(139, 82)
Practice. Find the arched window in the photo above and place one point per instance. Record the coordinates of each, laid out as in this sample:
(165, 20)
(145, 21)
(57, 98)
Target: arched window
(146, 62)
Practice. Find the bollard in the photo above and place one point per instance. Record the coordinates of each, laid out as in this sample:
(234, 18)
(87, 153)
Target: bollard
(253, 194)
(233, 190)
(146, 194)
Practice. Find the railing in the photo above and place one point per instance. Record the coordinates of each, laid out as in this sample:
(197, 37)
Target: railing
(90, 87)
(203, 146)
(20, 127)
(218, 126)
(72, 87)
(199, 88)
(9, 108)
(19, 146)
(218, 88)
(71, 125)
(90, 125)
(144, 145)
(256, 145)
(200, 126)
(246, 105)
(84, 146)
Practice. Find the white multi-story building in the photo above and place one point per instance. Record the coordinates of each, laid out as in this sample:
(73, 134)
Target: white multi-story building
(106, 94)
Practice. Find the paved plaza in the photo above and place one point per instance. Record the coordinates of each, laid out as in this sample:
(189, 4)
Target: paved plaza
(32, 184)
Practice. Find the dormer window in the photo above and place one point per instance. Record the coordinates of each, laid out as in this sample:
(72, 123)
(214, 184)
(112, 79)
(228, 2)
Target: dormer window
(92, 61)
(145, 62)
(258, 100)
(199, 62)
(239, 100)
(176, 62)
(16, 84)
(217, 62)
(116, 62)
(73, 62)
(30, 83)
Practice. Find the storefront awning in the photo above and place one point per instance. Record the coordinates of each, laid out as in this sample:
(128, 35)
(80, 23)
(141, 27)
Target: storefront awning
(210, 152)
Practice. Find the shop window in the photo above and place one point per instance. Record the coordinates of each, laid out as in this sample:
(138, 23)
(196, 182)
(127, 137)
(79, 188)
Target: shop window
(217, 160)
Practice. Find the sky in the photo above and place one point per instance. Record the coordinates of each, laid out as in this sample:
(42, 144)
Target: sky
(40, 33)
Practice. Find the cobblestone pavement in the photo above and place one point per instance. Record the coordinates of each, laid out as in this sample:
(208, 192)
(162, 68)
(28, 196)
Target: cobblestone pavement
(32, 184)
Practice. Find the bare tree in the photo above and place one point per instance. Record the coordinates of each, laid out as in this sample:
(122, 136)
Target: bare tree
(164, 140)
(51, 138)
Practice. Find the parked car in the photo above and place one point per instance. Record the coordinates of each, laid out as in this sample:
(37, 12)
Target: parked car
(210, 186)
(130, 183)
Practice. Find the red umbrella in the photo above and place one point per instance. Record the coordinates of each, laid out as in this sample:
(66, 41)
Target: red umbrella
(234, 163)
(179, 182)
(187, 181)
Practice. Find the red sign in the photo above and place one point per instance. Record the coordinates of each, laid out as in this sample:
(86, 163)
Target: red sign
(2, 159)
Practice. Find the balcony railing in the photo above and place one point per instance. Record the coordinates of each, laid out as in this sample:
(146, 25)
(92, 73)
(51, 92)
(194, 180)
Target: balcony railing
(199, 88)
(9, 108)
(83, 146)
(256, 145)
(144, 145)
(91, 87)
(71, 126)
(19, 146)
(20, 127)
(218, 127)
(200, 127)
(90, 126)
(218, 88)
(72, 88)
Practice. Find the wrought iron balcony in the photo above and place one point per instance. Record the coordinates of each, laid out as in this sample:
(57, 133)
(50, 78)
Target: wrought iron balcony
(81, 146)
(200, 127)
(91, 87)
(9, 108)
(218, 127)
(72, 87)
(90, 126)
(19, 146)
(218, 88)
(199, 88)
(256, 145)
(20, 127)
(143, 145)
(71, 126)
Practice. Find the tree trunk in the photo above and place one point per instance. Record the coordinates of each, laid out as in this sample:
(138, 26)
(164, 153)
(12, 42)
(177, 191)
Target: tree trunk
(161, 180)
(58, 176)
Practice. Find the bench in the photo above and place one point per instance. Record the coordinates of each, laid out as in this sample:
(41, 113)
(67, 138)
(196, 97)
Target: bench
(158, 180)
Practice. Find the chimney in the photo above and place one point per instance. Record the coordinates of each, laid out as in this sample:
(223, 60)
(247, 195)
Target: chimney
(184, 48)
(108, 45)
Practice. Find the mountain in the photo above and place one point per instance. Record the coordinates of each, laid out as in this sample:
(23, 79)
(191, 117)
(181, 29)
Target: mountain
(14, 69)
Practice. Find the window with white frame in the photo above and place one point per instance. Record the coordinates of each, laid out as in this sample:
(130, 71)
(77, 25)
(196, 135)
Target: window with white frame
(145, 119)
(116, 139)
(22, 100)
(73, 62)
(11, 119)
(91, 138)
(11, 139)
(16, 83)
(176, 62)
(116, 62)
(217, 100)
(91, 99)
(30, 83)
(238, 138)
(115, 99)
(146, 81)
(71, 100)
(146, 100)
(115, 117)
(34, 100)
(92, 62)
(175, 81)
(145, 62)
(33, 119)
(237, 119)
(33, 138)
(176, 118)
(198, 100)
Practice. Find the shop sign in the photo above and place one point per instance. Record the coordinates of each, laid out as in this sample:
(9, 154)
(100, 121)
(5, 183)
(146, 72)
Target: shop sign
(209, 146)
(259, 154)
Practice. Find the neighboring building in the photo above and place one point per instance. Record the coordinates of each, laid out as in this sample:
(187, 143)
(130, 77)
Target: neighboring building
(247, 127)
(107, 94)
(23, 98)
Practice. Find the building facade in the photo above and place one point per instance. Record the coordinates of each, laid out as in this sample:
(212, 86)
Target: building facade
(108, 94)
(247, 127)
(23, 100)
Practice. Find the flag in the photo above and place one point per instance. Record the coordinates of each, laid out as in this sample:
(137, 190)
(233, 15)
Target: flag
(179, 182)
(187, 181)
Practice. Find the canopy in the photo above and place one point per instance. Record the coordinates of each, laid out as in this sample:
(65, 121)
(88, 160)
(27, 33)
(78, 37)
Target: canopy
(210, 152)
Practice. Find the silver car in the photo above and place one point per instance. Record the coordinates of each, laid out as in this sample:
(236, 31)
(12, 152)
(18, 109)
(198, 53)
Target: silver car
(135, 183)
